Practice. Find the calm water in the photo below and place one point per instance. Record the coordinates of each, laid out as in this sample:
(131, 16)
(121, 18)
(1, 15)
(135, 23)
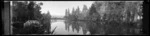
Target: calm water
(68, 28)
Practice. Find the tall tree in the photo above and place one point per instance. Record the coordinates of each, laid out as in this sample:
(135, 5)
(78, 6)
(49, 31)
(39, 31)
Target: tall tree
(92, 10)
(31, 10)
(77, 13)
(84, 8)
(73, 11)
(93, 13)
(74, 16)
(37, 12)
(84, 11)
(66, 13)
(77, 10)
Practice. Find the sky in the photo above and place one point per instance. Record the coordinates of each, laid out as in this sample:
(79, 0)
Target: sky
(58, 8)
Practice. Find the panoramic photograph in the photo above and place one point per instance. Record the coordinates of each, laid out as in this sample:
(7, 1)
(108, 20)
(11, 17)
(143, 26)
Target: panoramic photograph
(76, 17)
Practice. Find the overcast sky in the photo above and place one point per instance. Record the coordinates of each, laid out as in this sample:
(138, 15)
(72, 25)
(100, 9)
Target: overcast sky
(57, 8)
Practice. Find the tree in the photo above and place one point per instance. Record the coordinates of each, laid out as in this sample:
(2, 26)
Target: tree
(74, 15)
(25, 11)
(37, 12)
(66, 13)
(69, 12)
(84, 10)
(31, 10)
(92, 10)
(93, 14)
(73, 11)
(83, 13)
(20, 11)
(46, 19)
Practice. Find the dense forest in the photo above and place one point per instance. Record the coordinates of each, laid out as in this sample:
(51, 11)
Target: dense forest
(27, 18)
(120, 17)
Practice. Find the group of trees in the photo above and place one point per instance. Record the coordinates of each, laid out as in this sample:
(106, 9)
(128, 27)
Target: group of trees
(123, 16)
(76, 13)
(29, 10)
(46, 21)
(23, 11)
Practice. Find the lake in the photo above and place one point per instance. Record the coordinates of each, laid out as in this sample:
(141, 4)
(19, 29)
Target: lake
(66, 28)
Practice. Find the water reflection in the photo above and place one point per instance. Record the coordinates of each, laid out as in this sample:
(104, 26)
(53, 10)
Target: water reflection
(65, 27)
(77, 27)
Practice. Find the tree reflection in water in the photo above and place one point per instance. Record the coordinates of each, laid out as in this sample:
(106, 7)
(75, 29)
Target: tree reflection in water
(76, 25)
(98, 27)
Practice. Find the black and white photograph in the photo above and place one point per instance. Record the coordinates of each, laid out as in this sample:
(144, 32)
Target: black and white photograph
(75, 18)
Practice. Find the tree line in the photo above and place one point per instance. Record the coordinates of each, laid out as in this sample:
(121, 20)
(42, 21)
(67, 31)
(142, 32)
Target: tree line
(112, 14)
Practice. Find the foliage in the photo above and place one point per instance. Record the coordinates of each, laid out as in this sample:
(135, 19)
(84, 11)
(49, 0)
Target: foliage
(46, 21)
(24, 11)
